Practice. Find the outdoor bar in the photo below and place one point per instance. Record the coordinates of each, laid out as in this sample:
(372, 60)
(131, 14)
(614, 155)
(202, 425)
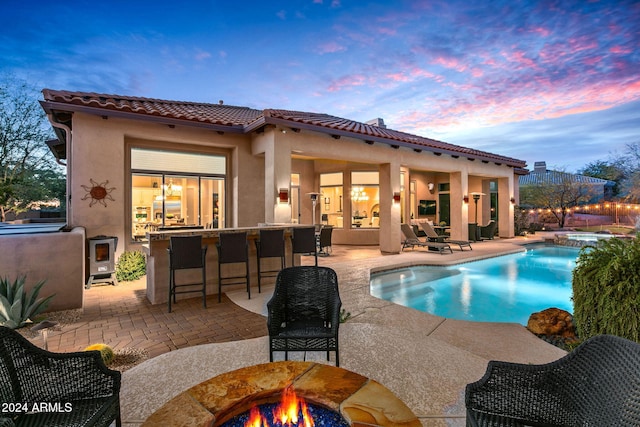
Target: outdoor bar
(158, 258)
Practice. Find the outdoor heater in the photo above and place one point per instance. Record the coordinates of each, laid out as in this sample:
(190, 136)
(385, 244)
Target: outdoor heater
(102, 264)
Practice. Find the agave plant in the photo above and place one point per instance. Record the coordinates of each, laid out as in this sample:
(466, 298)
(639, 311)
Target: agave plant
(16, 306)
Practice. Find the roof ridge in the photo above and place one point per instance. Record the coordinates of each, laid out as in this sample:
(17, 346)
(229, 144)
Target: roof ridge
(65, 93)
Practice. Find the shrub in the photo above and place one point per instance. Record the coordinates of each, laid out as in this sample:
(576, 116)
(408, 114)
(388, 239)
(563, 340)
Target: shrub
(16, 306)
(105, 351)
(605, 289)
(131, 266)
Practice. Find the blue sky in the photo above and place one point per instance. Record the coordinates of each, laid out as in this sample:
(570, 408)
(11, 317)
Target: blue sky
(536, 80)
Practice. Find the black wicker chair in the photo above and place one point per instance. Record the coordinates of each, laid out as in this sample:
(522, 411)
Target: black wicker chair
(41, 388)
(598, 384)
(488, 232)
(304, 311)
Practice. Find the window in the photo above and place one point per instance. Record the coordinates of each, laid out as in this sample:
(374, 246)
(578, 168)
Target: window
(365, 199)
(331, 199)
(172, 189)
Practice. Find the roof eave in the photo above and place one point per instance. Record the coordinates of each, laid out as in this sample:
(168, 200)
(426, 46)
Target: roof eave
(52, 106)
(387, 141)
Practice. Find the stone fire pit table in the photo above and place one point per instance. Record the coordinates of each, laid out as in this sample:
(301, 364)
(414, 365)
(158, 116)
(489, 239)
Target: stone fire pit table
(360, 400)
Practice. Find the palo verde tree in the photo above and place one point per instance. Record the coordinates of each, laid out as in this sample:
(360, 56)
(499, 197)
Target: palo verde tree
(28, 172)
(558, 192)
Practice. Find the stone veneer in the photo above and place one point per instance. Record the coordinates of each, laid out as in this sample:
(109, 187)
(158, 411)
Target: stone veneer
(361, 401)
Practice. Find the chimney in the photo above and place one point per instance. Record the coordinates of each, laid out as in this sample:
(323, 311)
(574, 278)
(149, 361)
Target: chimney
(540, 167)
(377, 122)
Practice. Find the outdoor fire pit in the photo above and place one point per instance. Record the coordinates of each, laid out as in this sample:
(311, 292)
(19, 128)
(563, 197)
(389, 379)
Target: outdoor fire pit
(290, 411)
(334, 397)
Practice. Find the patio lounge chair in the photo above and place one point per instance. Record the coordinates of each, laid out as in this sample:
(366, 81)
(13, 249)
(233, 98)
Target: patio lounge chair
(597, 384)
(435, 237)
(410, 239)
(42, 388)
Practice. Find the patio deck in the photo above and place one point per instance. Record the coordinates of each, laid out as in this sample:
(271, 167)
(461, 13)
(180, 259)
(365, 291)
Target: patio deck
(425, 360)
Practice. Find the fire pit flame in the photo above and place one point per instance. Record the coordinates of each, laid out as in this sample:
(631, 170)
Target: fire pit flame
(291, 412)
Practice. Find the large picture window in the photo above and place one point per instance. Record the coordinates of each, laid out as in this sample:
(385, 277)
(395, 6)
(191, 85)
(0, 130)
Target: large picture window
(173, 189)
(365, 199)
(331, 199)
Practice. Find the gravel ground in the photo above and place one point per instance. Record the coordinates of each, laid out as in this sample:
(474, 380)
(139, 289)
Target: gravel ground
(125, 358)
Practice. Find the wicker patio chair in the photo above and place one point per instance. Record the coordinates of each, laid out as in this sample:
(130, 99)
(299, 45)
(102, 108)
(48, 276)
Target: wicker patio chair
(597, 384)
(488, 232)
(304, 311)
(55, 389)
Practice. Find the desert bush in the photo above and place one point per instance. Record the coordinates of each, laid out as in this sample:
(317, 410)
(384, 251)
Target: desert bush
(605, 289)
(131, 266)
(17, 306)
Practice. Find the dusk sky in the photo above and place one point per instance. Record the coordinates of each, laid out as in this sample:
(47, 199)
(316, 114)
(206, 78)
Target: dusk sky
(557, 81)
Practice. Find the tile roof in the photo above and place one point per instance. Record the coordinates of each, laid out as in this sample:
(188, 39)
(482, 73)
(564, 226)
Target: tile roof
(558, 177)
(244, 119)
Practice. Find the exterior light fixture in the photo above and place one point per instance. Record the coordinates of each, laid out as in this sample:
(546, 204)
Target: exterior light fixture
(396, 197)
(476, 197)
(465, 199)
(431, 186)
(283, 195)
(513, 200)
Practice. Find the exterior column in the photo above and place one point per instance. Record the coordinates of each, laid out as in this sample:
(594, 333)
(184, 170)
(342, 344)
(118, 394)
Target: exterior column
(506, 190)
(459, 214)
(390, 233)
(277, 175)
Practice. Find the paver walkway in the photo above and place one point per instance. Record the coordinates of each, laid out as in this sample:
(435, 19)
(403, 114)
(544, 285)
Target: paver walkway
(122, 317)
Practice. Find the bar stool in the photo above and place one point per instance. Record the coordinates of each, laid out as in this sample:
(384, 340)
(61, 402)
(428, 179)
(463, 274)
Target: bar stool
(325, 240)
(233, 249)
(270, 245)
(304, 242)
(186, 252)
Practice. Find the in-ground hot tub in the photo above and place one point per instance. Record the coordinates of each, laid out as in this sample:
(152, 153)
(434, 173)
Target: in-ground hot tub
(579, 239)
(359, 400)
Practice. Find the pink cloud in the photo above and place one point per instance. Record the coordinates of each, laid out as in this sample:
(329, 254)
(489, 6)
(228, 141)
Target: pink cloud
(620, 50)
(494, 107)
(331, 47)
(347, 81)
(450, 63)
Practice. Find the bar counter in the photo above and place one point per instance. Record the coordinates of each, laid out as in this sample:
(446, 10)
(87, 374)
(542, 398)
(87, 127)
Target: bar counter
(158, 261)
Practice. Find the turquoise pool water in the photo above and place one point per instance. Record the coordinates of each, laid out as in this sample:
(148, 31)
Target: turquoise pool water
(502, 289)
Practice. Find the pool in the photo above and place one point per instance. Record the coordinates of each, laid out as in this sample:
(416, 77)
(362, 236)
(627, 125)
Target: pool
(507, 288)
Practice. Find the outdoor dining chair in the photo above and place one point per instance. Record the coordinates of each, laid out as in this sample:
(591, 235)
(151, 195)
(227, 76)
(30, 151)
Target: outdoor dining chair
(304, 311)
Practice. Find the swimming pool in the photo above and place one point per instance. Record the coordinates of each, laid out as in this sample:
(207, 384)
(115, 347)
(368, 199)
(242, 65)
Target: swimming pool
(502, 289)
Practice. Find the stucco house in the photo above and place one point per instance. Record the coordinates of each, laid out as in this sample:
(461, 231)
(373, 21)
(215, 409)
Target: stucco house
(137, 165)
(598, 189)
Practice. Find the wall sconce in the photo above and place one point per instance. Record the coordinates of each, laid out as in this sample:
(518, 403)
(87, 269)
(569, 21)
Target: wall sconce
(396, 197)
(513, 200)
(430, 186)
(283, 195)
(465, 199)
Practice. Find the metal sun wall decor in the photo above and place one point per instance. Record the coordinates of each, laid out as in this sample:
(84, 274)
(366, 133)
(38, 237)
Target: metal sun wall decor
(98, 193)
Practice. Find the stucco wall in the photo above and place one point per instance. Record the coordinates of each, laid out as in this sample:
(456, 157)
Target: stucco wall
(100, 155)
(58, 258)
